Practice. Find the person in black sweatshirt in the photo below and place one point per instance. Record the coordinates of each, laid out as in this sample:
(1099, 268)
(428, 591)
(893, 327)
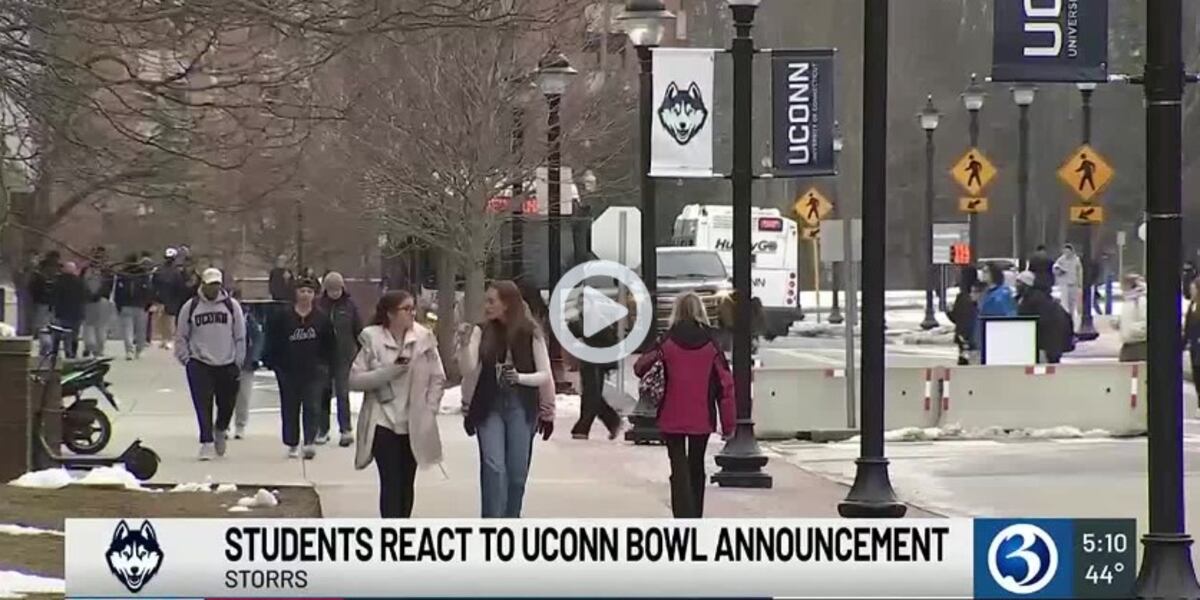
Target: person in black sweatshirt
(70, 296)
(133, 295)
(300, 349)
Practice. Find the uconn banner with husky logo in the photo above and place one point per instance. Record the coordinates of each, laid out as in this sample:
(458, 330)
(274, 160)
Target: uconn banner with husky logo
(1050, 40)
(681, 139)
(804, 112)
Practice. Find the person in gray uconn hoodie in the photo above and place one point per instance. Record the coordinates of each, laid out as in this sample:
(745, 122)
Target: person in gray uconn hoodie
(210, 341)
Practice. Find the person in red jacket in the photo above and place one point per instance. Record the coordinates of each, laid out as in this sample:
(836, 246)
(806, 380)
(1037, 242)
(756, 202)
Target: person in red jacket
(693, 400)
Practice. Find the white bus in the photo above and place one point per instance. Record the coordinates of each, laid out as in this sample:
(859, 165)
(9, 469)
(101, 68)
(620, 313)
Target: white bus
(775, 241)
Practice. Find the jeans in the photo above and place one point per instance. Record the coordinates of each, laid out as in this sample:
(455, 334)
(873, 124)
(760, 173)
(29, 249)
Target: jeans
(41, 318)
(133, 328)
(505, 451)
(686, 453)
(299, 400)
(397, 473)
(339, 386)
(592, 403)
(241, 413)
(97, 317)
(209, 384)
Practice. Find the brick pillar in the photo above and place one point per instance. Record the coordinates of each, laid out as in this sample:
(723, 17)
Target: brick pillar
(15, 403)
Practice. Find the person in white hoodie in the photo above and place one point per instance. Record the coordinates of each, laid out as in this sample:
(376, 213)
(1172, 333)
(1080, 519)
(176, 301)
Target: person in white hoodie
(399, 369)
(1068, 275)
(210, 341)
(1131, 323)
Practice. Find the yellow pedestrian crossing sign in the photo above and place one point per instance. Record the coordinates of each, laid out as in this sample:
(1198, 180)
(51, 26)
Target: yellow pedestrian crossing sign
(1086, 173)
(812, 206)
(973, 206)
(811, 234)
(1087, 214)
(973, 172)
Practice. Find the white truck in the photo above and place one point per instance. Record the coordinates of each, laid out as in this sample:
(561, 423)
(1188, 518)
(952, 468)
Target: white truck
(775, 239)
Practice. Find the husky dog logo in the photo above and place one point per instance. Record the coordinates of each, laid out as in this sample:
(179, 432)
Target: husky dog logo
(683, 114)
(134, 555)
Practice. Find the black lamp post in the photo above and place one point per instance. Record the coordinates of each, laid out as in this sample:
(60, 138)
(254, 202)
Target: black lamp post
(972, 99)
(553, 75)
(516, 260)
(741, 460)
(1087, 326)
(645, 24)
(872, 496)
(1167, 570)
(1023, 96)
(835, 312)
(929, 117)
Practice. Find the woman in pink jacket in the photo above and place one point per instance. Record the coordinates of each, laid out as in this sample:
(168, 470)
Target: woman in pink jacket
(699, 386)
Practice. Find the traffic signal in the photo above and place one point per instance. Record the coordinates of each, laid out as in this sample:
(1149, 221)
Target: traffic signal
(960, 254)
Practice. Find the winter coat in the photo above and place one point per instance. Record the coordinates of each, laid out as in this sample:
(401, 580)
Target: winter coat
(302, 346)
(375, 366)
(964, 314)
(1042, 267)
(1191, 330)
(280, 283)
(69, 296)
(471, 367)
(1068, 271)
(997, 302)
(1132, 320)
(347, 325)
(699, 382)
(41, 287)
(169, 288)
(134, 288)
(1052, 331)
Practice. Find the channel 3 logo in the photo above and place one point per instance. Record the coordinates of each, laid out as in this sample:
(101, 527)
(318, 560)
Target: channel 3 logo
(1022, 559)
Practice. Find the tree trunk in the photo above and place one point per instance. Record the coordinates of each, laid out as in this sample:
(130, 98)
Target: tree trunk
(474, 294)
(447, 273)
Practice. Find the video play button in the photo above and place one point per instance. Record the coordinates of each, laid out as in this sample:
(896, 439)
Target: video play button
(600, 311)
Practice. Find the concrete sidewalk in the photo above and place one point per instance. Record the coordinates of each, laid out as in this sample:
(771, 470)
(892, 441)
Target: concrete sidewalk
(570, 478)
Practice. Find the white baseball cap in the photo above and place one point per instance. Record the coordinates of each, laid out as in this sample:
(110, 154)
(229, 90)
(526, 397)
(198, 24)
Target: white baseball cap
(170, 252)
(212, 276)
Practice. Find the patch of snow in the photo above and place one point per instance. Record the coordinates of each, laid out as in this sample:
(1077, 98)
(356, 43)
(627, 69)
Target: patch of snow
(113, 476)
(48, 479)
(261, 499)
(7, 331)
(942, 335)
(189, 488)
(22, 530)
(239, 509)
(955, 432)
(15, 583)
(226, 488)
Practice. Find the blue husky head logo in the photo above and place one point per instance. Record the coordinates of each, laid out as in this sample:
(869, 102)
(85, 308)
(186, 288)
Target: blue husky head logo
(683, 113)
(134, 555)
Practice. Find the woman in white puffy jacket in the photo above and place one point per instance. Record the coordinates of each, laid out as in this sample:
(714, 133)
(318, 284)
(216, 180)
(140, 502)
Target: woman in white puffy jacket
(400, 372)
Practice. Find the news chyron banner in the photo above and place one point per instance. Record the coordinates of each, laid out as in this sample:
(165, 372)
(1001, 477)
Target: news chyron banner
(830, 558)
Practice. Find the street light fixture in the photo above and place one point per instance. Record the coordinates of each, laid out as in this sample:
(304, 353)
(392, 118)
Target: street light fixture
(835, 311)
(741, 460)
(973, 98)
(645, 22)
(1087, 325)
(1023, 95)
(929, 118)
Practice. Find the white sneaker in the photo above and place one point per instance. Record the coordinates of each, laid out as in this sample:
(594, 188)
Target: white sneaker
(219, 439)
(128, 356)
(239, 433)
(322, 439)
(310, 452)
(207, 451)
(293, 452)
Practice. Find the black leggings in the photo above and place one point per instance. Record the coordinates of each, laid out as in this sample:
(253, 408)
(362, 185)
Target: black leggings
(397, 473)
(686, 453)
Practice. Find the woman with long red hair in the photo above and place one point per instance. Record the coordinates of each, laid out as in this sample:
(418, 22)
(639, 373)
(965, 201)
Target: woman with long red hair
(508, 396)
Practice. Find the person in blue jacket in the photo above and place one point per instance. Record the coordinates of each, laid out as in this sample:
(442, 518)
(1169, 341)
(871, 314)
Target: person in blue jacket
(255, 341)
(998, 301)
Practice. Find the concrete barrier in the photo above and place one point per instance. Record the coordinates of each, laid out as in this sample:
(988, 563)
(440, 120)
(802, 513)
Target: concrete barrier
(790, 402)
(1086, 396)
